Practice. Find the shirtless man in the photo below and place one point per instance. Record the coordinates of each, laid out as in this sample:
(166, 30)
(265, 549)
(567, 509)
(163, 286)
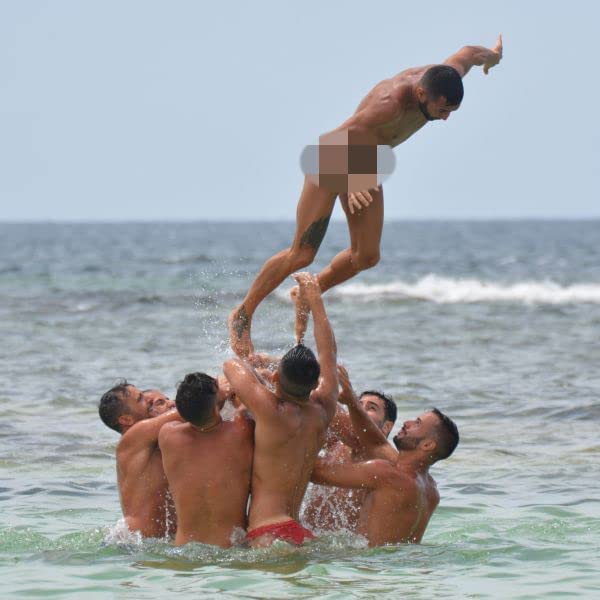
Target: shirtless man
(291, 423)
(138, 416)
(208, 463)
(338, 508)
(392, 112)
(401, 494)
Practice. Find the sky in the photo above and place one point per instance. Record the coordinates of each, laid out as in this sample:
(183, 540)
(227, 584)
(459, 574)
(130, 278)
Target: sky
(189, 110)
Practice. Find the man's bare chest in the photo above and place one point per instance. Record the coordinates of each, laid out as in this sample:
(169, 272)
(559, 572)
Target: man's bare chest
(400, 129)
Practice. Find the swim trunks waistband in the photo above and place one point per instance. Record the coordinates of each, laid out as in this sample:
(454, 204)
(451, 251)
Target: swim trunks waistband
(289, 531)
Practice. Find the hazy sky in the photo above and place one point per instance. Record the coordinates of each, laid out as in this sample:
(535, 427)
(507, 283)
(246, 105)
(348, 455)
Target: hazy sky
(135, 110)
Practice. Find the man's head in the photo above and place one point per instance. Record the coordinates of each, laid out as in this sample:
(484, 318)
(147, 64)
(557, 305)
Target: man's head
(124, 405)
(433, 434)
(381, 409)
(298, 372)
(198, 399)
(439, 92)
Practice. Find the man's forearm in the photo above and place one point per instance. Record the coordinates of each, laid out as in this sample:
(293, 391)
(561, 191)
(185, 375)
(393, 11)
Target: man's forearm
(263, 361)
(322, 328)
(471, 56)
(341, 427)
(368, 433)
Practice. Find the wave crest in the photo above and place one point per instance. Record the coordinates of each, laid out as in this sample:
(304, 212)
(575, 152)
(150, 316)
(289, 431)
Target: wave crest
(445, 290)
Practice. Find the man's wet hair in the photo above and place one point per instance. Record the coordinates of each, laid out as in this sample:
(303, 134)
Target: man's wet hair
(443, 80)
(299, 371)
(447, 435)
(390, 410)
(111, 405)
(196, 398)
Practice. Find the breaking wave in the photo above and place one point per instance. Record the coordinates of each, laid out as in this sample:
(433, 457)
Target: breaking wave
(445, 290)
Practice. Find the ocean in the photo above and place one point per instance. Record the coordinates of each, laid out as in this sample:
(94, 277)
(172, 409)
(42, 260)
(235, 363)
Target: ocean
(495, 323)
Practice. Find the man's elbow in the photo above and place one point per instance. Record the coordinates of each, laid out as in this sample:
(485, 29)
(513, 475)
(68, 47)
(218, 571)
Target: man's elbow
(229, 367)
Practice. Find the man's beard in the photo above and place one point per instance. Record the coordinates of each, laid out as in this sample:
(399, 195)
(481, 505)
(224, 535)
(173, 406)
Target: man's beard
(406, 443)
(426, 113)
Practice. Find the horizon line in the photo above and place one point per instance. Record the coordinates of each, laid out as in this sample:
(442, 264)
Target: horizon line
(181, 221)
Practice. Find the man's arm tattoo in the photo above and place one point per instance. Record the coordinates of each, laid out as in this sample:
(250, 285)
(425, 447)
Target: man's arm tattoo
(241, 322)
(315, 233)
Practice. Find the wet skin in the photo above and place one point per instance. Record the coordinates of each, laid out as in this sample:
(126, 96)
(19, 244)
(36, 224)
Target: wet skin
(145, 499)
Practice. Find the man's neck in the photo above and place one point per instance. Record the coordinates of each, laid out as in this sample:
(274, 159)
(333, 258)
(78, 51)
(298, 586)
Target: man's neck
(412, 462)
(297, 400)
(208, 426)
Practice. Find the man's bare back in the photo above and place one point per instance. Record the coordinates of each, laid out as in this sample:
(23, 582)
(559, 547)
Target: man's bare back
(209, 473)
(290, 426)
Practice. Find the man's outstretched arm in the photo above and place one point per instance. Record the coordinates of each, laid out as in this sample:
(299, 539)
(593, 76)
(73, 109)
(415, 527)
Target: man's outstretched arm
(327, 392)
(367, 475)
(476, 56)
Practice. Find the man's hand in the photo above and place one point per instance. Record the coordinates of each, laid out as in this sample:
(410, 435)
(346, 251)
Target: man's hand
(495, 57)
(359, 200)
(308, 286)
(347, 395)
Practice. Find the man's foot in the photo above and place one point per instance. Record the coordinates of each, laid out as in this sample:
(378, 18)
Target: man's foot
(302, 312)
(238, 324)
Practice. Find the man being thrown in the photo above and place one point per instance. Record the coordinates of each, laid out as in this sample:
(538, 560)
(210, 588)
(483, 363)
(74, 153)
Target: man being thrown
(208, 463)
(401, 494)
(391, 112)
(339, 508)
(143, 490)
(290, 425)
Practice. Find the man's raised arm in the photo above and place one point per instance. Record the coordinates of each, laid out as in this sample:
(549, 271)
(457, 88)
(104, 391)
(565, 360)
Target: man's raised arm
(372, 440)
(247, 387)
(471, 56)
(327, 392)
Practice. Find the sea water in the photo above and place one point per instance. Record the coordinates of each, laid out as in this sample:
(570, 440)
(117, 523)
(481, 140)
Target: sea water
(495, 323)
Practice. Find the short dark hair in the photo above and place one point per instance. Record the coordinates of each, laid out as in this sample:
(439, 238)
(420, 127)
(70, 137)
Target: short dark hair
(447, 435)
(299, 371)
(443, 80)
(389, 406)
(196, 397)
(111, 405)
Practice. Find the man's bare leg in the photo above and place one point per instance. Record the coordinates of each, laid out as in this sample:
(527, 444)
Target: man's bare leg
(312, 219)
(365, 229)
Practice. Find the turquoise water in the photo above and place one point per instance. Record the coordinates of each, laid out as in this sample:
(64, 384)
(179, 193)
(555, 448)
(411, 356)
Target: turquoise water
(495, 323)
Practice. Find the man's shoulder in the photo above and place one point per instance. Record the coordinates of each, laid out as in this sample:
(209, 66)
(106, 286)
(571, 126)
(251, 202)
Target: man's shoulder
(171, 431)
(399, 479)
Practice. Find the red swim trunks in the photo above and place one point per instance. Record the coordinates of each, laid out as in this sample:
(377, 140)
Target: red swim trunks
(289, 531)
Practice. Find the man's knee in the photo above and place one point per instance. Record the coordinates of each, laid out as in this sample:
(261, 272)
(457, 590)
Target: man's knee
(301, 257)
(365, 260)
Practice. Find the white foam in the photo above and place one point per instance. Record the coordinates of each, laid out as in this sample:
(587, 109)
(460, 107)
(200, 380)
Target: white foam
(445, 290)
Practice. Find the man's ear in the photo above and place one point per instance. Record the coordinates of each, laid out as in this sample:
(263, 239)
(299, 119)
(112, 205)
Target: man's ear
(428, 445)
(125, 421)
(387, 427)
(275, 377)
(421, 94)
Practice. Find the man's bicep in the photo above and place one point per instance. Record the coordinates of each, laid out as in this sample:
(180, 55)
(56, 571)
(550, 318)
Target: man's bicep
(368, 474)
(250, 391)
(458, 61)
(327, 392)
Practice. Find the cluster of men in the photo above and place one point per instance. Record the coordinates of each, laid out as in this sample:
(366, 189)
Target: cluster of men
(190, 472)
(183, 469)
